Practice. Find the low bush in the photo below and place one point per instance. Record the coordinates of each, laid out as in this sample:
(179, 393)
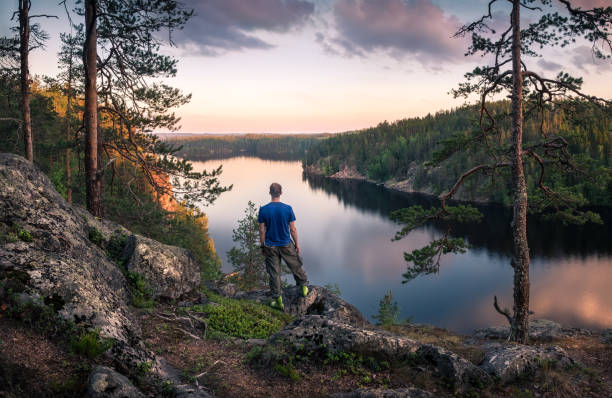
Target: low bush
(241, 318)
(90, 344)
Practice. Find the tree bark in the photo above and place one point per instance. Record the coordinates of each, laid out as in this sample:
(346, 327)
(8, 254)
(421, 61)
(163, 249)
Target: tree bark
(93, 191)
(68, 133)
(520, 255)
(24, 50)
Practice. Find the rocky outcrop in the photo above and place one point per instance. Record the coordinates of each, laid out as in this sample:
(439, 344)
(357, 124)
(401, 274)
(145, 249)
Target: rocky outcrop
(51, 259)
(326, 323)
(171, 272)
(507, 363)
(386, 393)
(56, 256)
(104, 382)
(320, 301)
(541, 330)
(348, 173)
(316, 333)
(606, 336)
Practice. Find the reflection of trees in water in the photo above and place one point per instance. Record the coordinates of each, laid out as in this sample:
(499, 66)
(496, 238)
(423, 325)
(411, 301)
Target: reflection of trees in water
(203, 157)
(546, 238)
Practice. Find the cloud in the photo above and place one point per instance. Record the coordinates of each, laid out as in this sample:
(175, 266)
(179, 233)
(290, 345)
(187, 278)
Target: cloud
(584, 59)
(219, 26)
(399, 28)
(589, 4)
(549, 65)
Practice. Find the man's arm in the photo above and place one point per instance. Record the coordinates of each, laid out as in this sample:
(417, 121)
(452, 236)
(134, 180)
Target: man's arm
(294, 235)
(262, 234)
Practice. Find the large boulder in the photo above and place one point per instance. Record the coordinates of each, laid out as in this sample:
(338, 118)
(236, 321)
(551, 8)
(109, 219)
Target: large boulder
(48, 258)
(508, 362)
(171, 272)
(542, 330)
(386, 393)
(104, 382)
(316, 333)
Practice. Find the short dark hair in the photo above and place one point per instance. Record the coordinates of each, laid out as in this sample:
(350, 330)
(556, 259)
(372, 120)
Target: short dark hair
(276, 189)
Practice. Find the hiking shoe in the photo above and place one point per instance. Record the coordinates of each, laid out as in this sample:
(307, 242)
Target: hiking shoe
(278, 303)
(304, 290)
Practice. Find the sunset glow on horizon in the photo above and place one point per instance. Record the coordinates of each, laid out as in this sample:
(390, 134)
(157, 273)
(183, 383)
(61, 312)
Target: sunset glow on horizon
(313, 66)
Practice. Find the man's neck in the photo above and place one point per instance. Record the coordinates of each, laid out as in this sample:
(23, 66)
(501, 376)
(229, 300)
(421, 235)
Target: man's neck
(274, 199)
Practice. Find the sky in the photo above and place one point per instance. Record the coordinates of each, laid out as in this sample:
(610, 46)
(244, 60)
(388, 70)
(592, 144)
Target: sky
(311, 66)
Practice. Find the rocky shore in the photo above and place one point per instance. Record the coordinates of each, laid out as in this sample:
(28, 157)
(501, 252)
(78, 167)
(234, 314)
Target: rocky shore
(406, 185)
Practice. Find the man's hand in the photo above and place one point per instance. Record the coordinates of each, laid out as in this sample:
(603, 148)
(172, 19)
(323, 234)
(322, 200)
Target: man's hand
(294, 235)
(262, 237)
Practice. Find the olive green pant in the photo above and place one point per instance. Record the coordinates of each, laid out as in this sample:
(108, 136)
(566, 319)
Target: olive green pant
(273, 255)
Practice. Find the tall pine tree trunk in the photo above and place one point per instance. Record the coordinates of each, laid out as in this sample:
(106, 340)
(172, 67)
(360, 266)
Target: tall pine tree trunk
(68, 133)
(520, 255)
(93, 187)
(24, 50)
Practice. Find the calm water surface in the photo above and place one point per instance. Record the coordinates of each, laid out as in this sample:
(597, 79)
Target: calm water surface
(345, 235)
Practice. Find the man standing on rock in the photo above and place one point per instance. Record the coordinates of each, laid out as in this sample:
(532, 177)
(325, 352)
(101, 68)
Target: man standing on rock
(276, 230)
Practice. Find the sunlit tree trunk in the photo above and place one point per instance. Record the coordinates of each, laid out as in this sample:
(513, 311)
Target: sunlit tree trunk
(92, 181)
(520, 255)
(24, 50)
(68, 133)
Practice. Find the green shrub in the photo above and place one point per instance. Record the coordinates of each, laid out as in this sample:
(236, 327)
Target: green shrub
(90, 344)
(334, 288)
(142, 296)
(115, 247)
(241, 318)
(24, 235)
(95, 236)
(287, 371)
(388, 311)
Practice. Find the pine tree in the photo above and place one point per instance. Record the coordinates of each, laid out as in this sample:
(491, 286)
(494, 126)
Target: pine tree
(125, 102)
(247, 258)
(530, 94)
(388, 311)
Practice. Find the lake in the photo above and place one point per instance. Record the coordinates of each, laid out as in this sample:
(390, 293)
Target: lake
(345, 236)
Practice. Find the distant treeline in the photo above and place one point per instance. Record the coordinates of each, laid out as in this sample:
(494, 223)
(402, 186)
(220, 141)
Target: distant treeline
(265, 146)
(400, 151)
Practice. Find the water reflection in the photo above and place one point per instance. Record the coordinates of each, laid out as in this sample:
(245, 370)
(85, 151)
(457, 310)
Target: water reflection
(345, 235)
(546, 238)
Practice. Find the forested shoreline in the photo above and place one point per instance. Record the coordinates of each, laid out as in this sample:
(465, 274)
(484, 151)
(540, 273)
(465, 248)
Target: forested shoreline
(400, 154)
(266, 146)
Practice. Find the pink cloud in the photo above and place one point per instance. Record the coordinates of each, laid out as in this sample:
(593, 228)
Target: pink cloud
(399, 28)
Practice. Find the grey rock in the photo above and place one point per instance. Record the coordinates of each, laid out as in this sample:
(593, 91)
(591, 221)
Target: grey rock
(170, 271)
(542, 330)
(190, 392)
(506, 363)
(457, 371)
(317, 333)
(60, 264)
(606, 336)
(386, 393)
(104, 382)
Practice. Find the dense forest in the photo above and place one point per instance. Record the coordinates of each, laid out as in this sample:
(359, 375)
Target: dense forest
(404, 151)
(265, 146)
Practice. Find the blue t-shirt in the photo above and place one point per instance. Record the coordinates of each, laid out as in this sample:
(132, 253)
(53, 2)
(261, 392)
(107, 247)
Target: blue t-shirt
(276, 216)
